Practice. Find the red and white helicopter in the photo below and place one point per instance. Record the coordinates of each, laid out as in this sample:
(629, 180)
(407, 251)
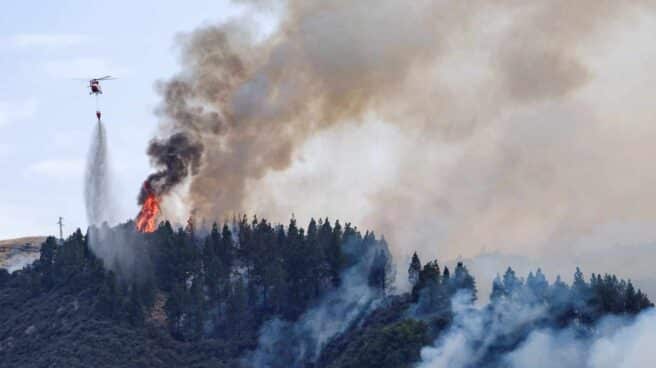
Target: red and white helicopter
(94, 84)
(95, 89)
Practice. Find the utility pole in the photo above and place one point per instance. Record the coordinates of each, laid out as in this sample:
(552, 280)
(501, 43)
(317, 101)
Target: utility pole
(61, 229)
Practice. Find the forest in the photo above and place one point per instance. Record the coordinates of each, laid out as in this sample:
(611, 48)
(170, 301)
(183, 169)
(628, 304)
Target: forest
(250, 293)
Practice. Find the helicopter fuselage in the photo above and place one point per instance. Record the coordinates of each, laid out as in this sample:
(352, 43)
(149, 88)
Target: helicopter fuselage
(94, 85)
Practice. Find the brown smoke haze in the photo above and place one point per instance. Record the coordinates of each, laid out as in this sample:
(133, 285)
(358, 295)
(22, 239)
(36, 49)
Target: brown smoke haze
(454, 127)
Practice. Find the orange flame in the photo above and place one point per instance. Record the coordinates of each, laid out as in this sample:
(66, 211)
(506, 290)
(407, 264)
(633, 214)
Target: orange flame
(146, 221)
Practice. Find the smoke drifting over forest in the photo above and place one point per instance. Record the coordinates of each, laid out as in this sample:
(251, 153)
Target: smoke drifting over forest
(617, 342)
(515, 126)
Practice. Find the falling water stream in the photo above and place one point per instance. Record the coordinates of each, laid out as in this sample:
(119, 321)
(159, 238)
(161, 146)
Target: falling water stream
(97, 183)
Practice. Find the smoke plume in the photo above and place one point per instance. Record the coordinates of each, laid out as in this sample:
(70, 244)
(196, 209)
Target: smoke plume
(518, 126)
(480, 337)
(177, 156)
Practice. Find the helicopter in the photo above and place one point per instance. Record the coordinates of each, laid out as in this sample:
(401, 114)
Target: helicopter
(94, 84)
(95, 89)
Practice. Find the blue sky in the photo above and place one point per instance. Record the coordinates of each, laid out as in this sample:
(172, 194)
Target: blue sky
(46, 117)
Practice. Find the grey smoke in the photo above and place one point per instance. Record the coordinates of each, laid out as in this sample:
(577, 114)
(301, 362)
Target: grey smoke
(176, 157)
(519, 136)
(519, 127)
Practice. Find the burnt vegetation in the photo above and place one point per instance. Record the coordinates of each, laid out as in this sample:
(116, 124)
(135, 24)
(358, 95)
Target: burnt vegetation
(200, 298)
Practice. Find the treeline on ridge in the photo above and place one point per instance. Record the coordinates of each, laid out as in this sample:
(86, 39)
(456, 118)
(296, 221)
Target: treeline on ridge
(215, 289)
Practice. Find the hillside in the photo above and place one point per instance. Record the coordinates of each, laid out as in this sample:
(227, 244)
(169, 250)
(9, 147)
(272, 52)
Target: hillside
(15, 253)
(255, 294)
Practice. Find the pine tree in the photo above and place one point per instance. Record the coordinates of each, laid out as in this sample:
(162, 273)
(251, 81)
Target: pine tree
(498, 290)
(511, 284)
(379, 272)
(245, 242)
(196, 311)
(334, 255)
(34, 280)
(165, 256)
(643, 301)
(537, 285)
(238, 316)
(446, 274)
(296, 269)
(147, 292)
(134, 307)
(4, 276)
(313, 234)
(585, 298)
(212, 265)
(414, 269)
(315, 272)
(631, 303)
(559, 302)
(107, 301)
(174, 309)
(46, 262)
(579, 285)
(278, 294)
(226, 250)
(429, 276)
(447, 282)
(429, 292)
(47, 252)
(463, 280)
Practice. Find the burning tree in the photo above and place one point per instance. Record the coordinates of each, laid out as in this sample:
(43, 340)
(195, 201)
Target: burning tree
(176, 157)
(147, 218)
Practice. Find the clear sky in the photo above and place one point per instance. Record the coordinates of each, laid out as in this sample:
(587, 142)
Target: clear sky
(46, 117)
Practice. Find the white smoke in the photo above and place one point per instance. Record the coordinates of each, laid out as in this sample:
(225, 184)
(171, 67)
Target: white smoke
(450, 126)
(20, 260)
(296, 344)
(615, 342)
(518, 127)
(629, 346)
(473, 331)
